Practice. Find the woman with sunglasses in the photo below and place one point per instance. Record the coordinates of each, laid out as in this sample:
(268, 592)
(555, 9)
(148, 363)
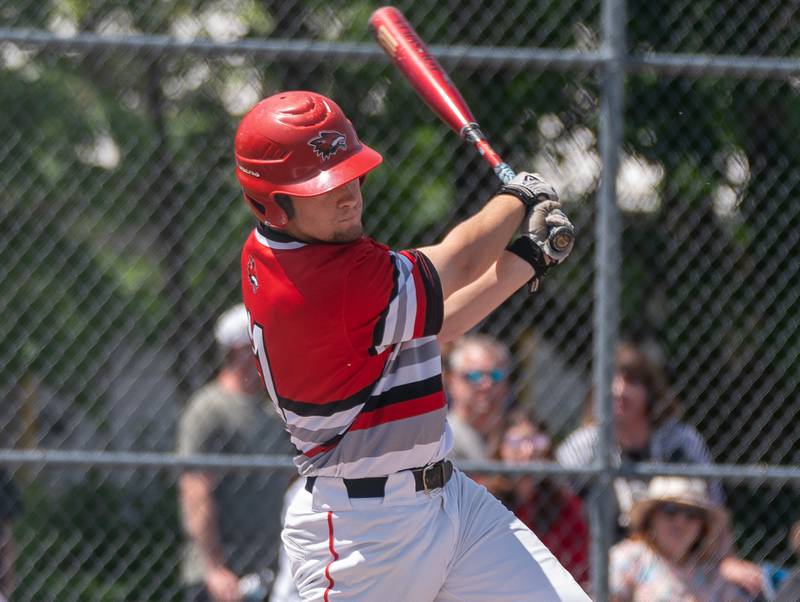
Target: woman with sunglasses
(647, 428)
(672, 554)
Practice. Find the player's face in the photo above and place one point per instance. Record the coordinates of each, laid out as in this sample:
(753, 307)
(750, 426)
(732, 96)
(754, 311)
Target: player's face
(333, 217)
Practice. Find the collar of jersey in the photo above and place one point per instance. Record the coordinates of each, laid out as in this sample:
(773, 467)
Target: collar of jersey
(277, 239)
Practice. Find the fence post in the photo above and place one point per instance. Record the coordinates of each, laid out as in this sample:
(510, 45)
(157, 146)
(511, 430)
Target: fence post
(606, 297)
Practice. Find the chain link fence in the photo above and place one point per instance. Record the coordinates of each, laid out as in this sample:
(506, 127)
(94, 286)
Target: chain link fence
(121, 225)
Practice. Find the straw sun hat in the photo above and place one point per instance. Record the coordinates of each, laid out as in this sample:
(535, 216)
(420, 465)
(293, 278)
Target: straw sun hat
(683, 491)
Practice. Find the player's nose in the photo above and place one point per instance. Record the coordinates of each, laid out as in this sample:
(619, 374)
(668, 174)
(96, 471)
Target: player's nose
(347, 201)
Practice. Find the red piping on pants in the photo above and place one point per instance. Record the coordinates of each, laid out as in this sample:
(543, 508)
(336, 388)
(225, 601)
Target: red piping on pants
(333, 553)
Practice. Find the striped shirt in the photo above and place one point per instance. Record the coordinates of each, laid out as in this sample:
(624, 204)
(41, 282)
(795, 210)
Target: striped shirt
(672, 441)
(344, 335)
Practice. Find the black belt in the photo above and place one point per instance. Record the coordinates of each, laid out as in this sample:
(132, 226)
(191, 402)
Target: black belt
(426, 478)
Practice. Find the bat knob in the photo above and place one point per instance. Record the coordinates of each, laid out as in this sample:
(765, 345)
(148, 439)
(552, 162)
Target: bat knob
(561, 238)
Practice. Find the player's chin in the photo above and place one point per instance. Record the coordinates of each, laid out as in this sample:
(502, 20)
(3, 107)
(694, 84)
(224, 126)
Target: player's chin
(348, 232)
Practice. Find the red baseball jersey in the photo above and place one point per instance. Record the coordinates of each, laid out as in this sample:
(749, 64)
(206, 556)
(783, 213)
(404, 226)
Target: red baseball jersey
(344, 335)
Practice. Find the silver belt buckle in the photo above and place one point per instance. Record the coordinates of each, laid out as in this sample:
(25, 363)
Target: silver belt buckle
(425, 477)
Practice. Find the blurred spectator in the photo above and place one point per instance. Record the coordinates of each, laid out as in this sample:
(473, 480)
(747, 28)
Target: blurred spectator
(672, 554)
(232, 520)
(647, 429)
(553, 512)
(477, 385)
(9, 508)
(790, 589)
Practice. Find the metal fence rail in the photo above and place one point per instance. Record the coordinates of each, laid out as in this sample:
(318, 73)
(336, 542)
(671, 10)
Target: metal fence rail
(449, 56)
(74, 458)
(670, 130)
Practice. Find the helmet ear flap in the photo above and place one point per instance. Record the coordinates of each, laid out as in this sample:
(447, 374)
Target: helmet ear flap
(275, 215)
(268, 211)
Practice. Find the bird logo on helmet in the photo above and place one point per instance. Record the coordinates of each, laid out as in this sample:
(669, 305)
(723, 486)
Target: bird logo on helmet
(327, 144)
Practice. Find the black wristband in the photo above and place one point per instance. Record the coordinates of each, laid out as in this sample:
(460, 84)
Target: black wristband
(524, 248)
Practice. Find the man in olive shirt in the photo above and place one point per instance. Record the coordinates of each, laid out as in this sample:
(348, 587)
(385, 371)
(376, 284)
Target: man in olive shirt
(232, 519)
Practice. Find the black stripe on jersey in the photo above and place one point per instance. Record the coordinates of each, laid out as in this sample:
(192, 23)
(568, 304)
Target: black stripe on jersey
(380, 325)
(405, 392)
(305, 408)
(434, 299)
(332, 442)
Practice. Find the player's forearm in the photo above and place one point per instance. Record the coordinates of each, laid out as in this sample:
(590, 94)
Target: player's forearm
(471, 247)
(470, 304)
(200, 516)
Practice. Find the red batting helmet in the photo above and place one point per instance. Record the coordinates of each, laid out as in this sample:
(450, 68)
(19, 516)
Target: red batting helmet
(296, 143)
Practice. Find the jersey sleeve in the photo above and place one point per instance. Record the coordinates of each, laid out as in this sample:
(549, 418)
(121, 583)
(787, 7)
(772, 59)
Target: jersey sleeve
(392, 297)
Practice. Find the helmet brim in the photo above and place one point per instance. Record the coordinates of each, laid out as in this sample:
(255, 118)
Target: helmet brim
(352, 168)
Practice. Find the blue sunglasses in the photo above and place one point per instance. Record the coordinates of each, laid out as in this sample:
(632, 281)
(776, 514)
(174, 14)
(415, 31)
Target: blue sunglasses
(476, 376)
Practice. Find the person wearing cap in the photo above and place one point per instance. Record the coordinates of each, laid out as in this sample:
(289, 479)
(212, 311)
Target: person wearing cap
(673, 551)
(347, 334)
(648, 428)
(232, 520)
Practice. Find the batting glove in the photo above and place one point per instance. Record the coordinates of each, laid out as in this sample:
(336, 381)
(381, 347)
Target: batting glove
(534, 244)
(530, 188)
(538, 225)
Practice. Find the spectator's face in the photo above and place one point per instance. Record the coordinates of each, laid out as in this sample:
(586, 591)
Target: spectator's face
(524, 443)
(331, 217)
(244, 364)
(478, 387)
(630, 400)
(675, 528)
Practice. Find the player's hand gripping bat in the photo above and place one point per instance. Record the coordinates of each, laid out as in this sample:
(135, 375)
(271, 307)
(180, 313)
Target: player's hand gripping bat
(426, 76)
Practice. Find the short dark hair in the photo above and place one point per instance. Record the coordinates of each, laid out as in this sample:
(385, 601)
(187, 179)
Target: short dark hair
(635, 364)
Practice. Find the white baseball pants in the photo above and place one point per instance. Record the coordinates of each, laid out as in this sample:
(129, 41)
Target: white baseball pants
(456, 543)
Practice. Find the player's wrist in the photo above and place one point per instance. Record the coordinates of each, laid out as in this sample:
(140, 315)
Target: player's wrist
(527, 250)
(530, 189)
(526, 201)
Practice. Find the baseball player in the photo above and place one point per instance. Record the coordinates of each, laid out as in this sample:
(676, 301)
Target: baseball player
(346, 333)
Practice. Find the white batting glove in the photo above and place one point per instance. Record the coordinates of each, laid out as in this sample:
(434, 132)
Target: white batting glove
(534, 245)
(540, 222)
